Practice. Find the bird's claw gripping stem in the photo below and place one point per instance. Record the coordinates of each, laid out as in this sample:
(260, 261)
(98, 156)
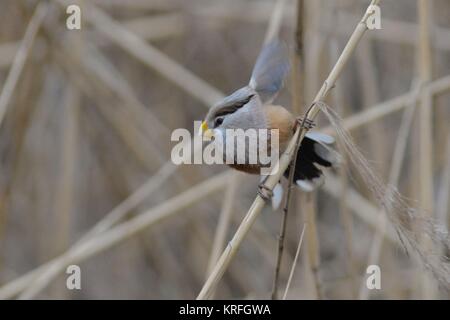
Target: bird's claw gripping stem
(307, 124)
(265, 192)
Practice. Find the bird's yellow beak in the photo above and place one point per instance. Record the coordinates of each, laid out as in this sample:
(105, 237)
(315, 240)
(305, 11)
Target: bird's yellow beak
(205, 131)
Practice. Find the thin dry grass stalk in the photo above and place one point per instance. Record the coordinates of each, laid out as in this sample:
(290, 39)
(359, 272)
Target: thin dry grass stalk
(346, 218)
(312, 239)
(224, 220)
(21, 57)
(425, 63)
(294, 263)
(297, 102)
(64, 199)
(281, 237)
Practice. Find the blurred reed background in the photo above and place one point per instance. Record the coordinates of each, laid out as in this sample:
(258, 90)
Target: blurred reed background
(86, 118)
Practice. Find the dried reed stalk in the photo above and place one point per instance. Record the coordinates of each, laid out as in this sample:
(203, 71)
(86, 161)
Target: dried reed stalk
(21, 57)
(312, 237)
(345, 215)
(424, 61)
(294, 263)
(225, 218)
(296, 105)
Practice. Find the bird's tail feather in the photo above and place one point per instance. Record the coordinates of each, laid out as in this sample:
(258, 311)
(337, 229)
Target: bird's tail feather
(314, 153)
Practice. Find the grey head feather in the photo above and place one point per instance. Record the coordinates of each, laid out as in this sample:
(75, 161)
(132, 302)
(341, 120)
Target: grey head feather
(240, 110)
(271, 68)
(235, 97)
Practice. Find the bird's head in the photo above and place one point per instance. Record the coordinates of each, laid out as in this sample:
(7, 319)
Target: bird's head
(243, 109)
(236, 111)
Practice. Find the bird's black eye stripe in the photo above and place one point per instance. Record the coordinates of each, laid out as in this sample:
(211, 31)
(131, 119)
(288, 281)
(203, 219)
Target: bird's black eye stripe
(232, 108)
(242, 103)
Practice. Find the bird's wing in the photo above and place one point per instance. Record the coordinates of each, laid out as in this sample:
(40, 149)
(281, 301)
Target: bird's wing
(270, 70)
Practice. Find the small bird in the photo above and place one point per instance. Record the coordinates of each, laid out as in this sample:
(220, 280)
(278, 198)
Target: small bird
(251, 108)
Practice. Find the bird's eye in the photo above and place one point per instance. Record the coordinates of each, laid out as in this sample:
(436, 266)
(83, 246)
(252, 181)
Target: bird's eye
(218, 122)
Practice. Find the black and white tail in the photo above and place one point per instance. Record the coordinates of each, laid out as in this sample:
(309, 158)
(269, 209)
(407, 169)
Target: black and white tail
(314, 153)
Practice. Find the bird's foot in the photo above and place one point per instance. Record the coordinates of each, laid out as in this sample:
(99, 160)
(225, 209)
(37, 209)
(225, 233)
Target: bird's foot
(307, 124)
(265, 192)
